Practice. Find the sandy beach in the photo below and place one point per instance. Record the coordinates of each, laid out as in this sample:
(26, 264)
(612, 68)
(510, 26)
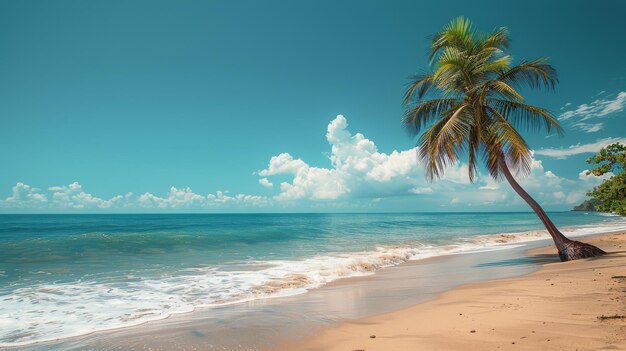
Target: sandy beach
(578, 305)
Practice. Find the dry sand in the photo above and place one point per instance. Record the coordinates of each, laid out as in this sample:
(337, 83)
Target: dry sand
(578, 305)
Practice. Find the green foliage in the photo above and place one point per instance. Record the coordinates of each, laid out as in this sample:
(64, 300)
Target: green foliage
(611, 158)
(468, 102)
(611, 195)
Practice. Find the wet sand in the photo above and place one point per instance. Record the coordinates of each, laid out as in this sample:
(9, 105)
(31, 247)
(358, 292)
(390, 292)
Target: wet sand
(578, 305)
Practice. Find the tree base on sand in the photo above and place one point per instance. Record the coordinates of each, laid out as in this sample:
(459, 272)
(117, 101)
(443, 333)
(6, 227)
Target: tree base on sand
(575, 250)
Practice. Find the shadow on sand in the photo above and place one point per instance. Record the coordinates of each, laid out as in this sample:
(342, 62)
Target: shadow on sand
(526, 260)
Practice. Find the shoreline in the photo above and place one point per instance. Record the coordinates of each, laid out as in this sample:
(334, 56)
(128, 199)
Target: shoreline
(179, 326)
(572, 305)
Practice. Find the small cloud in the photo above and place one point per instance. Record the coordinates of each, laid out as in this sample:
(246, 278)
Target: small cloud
(598, 94)
(564, 153)
(266, 183)
(589, 177)
(422, 190)
(490, 184)
(588, 127)
(23, 195)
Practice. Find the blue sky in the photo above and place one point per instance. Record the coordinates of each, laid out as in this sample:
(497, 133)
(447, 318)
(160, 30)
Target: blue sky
(231, 106)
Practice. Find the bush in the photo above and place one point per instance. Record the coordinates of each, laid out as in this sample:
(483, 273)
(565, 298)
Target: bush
(610, 196)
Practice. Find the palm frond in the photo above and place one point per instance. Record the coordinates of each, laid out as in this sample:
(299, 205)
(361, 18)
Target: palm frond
(513, 145)
(418, 87)
(499, 40)
(496, 65)
(458, 33)
(502, 89)
(417, 117)
(455, 70)
(534, 74)
(491, 153)
(526, 116)
(442, 144)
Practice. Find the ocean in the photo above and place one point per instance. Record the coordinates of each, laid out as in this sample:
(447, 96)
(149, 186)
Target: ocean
(70, 275)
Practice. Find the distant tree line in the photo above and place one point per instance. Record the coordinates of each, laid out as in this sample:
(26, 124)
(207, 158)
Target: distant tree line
(610, 196)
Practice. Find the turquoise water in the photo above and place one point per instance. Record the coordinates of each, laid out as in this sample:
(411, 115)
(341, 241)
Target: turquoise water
(67, 275)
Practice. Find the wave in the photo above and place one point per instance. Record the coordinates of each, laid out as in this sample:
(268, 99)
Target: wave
(76, 308)
(607, 214)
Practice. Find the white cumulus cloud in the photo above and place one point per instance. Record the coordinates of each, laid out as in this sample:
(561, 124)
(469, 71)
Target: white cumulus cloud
(73, 196)
(184, 197)
(23, 195)
(357, 170)
(266, 183)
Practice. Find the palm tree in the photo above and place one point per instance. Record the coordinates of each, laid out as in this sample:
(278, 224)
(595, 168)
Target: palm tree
(469, 104)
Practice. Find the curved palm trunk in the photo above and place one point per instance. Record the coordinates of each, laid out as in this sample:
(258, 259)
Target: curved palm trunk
(568, 249)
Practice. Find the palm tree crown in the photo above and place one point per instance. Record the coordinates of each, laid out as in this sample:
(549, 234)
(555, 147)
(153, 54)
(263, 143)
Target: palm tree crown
(469, 102)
